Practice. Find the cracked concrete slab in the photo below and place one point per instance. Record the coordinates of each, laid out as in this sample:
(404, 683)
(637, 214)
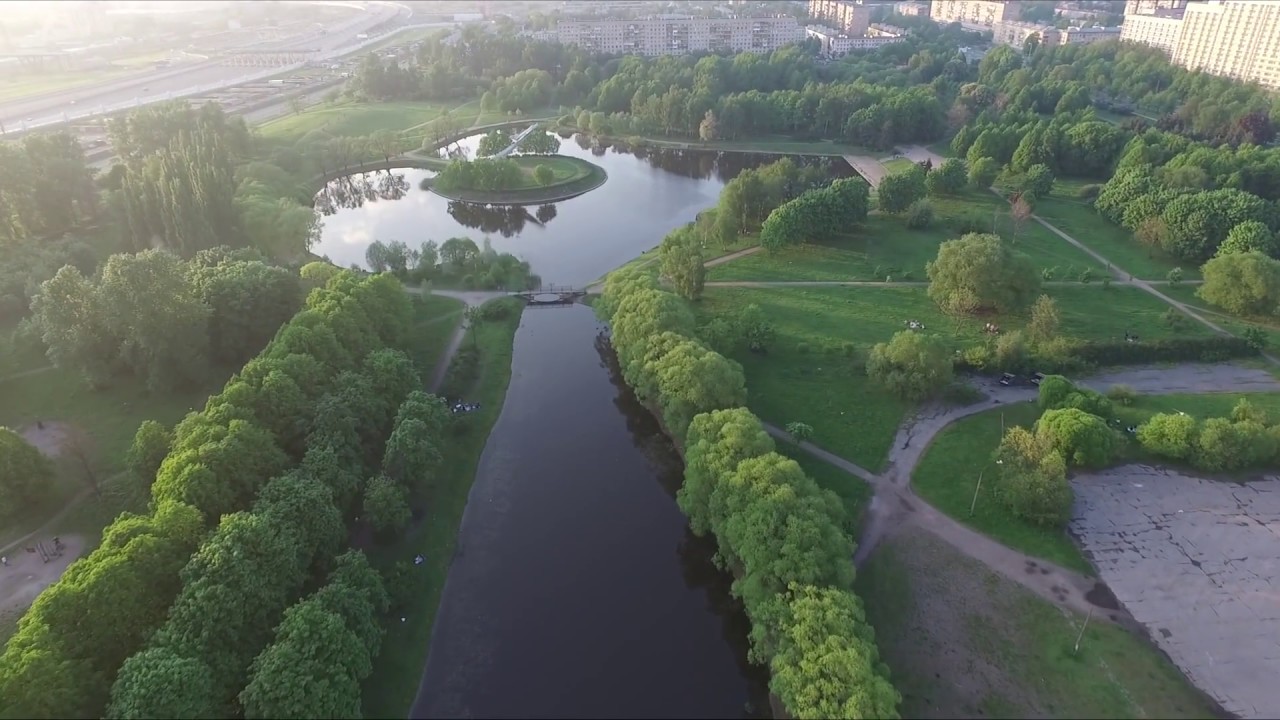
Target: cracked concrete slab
(1197, 562)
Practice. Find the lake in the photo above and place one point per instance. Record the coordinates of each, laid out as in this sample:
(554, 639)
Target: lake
(649, 193)
(577, 589)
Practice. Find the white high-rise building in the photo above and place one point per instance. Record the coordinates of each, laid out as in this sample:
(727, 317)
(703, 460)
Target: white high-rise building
(1234, 38)
(679, 34)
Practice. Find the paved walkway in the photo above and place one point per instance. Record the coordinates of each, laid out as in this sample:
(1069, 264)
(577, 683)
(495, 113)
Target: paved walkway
(882, 283)
(471, 298)
(1197, 562)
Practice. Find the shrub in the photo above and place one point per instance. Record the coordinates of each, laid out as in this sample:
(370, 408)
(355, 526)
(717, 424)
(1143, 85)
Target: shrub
(1123, 394)
(1224, 445)
(1171, 435)
(1082, 438)
(920, 214)
(799, 431)
(911, 365)
(1088, 192)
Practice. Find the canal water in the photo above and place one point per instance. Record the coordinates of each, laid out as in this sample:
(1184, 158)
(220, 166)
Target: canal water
(649, 193)
(577, 589)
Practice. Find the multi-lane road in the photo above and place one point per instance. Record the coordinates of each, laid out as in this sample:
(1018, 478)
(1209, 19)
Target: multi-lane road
(184, 80)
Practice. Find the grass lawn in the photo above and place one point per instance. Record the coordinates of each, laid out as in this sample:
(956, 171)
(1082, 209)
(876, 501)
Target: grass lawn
(769, 144)
(885, 246)
(808, 375)
(1233, 324)
(353, 119)
(1078, 219)
(961, 641)
(435, 319)
(107, 418)
(390, 690)
(897, 165)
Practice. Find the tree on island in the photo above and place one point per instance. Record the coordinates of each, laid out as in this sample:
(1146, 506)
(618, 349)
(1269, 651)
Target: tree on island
(540, 143)
(544, 175)
(493, 142)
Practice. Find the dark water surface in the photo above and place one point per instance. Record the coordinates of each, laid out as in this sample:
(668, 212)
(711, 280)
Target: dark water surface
(577, 589)
(649, 193)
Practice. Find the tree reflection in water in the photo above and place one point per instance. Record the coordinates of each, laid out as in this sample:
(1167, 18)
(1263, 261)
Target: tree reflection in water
(508, 220)
(353, 191)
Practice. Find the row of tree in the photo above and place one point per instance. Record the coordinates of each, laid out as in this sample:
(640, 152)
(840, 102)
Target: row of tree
(1245, 440)
(46, 188)
(321, 396)
(807, 626)
(456, 261)
(159, 318)
(487, 174)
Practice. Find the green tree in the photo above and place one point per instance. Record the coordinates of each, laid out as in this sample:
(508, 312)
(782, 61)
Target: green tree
(159, 682)
(386, 505)
(692, 379)
(1224, 445)
(1249, 236)
(716, 442)
(799, 431)
(1032, 478)
(248, 303)
(1242, 283)
(920, 214)
(682, 262)
(949, 178)
(74, 326)
(1054, 391)
(826, 664)
(150, 447)
(896, 192)
(1044, 322)
(312, 670)
(1171, 435)
(1082, 438)
(980, 273)
(983, 171)
(912, 365)
(544, 175)
(709, 128)
(26, 476)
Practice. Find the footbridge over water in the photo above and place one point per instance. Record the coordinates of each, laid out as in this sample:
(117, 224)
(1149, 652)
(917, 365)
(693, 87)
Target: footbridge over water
(553, 295)
(515, 141)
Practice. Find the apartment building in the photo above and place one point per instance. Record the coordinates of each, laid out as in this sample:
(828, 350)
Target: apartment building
(837, 43)
(976, 12)
(1152, 7)
(1089, 35)
(1158, 31)
(845, 16)
(912, 8)
(1015, 33)
(1234, 38)
(680, 34)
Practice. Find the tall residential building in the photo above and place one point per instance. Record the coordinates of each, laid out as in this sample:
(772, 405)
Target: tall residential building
(1152, 7)
(978, 12)
(1158, 31)
(678, 35)
(850, 18)
(912, 8)
(1235, 38)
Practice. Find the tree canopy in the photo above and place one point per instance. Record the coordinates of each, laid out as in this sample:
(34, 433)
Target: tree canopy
(981, 273)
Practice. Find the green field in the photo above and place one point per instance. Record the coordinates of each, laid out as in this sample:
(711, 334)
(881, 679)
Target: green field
(390, 690)
(886, 247)
(962, 641)
(352, 119)
(1078, 219)
(969, 443)
(812, 372)
(1236, 325)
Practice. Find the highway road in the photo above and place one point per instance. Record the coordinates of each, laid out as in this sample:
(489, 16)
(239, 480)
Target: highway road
(192, 79)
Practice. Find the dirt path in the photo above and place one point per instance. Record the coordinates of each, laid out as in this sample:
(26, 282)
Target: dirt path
(894, 505)
(26, 373)
(27, 574)
(471, 298)
(731, 257)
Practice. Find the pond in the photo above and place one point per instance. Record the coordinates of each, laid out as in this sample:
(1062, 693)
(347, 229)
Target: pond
(649, 193)
(577, 589)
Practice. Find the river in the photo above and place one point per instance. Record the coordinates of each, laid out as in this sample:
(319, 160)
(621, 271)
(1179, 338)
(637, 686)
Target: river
(649, 193)
(577, 589)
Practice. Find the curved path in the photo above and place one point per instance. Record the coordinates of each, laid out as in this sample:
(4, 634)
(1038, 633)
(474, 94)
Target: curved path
(894, 505)
(470, 298)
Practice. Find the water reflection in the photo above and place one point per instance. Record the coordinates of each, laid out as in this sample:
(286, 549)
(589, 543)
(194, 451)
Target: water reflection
(353, 191)
(505, 220)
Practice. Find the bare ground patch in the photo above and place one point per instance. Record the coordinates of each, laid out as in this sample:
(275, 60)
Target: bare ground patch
(49, 437)
(963, 641)
(27, 574)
